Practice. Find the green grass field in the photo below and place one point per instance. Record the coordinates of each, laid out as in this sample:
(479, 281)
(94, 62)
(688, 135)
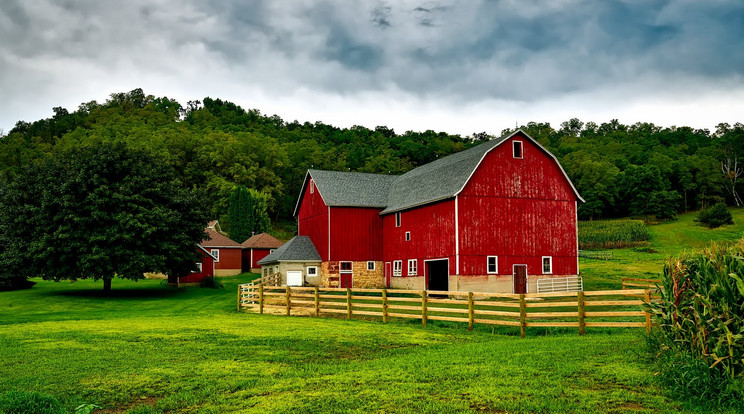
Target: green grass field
(149, 348)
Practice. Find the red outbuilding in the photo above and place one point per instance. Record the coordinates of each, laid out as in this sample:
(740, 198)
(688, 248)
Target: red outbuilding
(228, 257)
(204, 269)
(256, 248)
(496, 217)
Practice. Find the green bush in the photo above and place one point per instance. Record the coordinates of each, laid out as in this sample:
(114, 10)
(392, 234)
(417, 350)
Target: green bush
(716, 216)
(612, 234)
(700, 335)
(210, 282)
(29, 402)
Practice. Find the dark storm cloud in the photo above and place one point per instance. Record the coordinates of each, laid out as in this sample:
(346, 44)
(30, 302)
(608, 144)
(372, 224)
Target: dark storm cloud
(456, 51)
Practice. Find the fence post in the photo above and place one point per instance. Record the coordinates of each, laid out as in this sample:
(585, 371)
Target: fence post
(260, 299)
(470, 311)
(317, 302)
(240, 287)
(289, 302)
(423, 307)
(647, 298)
(348, 303)
(581, 313)
(522, 315)
(384, 306)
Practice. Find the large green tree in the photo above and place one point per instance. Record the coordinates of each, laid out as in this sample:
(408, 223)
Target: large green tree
(100, 211)
(239, 216)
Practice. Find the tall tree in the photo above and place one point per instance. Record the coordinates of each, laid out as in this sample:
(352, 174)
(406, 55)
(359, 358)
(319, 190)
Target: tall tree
(239, 214)
(100, 212)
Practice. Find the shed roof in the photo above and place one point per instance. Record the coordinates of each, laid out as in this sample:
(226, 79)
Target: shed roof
(298, 248)
(215, 239)
(262, 241)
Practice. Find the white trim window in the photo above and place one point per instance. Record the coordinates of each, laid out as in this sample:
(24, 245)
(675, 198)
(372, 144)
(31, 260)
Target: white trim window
(397, 268)
(312, 271)
(312, 186)
(547, 265)
(216, 254)
(412, 267)
(408, 236)
(518, 149)
(198, 268)
(346, 267)
(492, 265)
(370, 265)
(397, 219)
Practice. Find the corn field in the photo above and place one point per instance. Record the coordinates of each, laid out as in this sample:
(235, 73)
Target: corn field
(701, 312)
(612, 234)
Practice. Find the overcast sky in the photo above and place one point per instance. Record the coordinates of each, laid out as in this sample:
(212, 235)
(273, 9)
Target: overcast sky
(455, 66)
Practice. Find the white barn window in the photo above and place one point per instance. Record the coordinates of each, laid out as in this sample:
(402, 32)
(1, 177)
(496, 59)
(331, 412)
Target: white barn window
(398, 268)
(412, 267)
(216, 254)
(493, 265)
(547, 265)
(517, 148)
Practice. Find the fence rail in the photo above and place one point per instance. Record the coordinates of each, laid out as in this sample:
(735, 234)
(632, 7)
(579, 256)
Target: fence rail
(560, 284)
(581, 310)
(598, 255)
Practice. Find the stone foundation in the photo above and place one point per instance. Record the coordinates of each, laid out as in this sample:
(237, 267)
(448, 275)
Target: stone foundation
(473, 283)
(360, 278)
(226, 272)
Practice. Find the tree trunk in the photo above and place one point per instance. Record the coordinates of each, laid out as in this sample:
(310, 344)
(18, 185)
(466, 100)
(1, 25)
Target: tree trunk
(107, 284)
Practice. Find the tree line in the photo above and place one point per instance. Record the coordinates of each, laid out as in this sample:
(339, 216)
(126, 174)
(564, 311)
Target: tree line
(215, 146)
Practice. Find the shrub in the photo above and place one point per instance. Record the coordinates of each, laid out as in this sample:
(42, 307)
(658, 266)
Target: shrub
(612, 234)
(715, 216)
(14, 283)
(700, 338)
(29, 402)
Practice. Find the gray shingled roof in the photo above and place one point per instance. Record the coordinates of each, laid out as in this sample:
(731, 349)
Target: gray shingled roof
(298, 248)
(436, 180)
(350, 189)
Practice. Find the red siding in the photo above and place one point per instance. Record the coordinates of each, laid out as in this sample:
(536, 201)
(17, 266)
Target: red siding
(207, 270)
(518, 210)
(229, 258)
(312, 221)
(259, 254)
(356, 233)
(432, 230)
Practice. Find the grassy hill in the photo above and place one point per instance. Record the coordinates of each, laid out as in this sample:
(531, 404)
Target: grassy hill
(667, 239)
(149, 348)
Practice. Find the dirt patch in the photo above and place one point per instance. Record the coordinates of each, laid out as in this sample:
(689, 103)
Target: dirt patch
(124, 408)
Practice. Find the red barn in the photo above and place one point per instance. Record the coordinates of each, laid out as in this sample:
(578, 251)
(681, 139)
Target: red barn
(205, 269)
(256, 248)
(228, 257)
(496, 217)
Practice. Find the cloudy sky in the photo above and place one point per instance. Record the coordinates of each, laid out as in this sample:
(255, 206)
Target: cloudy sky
(455, 66)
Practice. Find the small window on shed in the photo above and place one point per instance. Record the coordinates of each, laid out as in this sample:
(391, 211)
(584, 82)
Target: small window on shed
(547, 265)
(493, 265)
(216, 254)
(312, 186)
(312, 270)
(408, 236)
(370, 265)
(397, 219)
(198, 268)
(517, 146)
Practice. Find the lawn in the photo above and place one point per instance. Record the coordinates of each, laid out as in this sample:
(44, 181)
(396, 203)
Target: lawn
(149, 348)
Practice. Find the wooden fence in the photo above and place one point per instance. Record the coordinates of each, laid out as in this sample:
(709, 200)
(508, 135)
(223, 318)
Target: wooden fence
(597, 254)
(250, 290)
(581, 310)
(635, 283)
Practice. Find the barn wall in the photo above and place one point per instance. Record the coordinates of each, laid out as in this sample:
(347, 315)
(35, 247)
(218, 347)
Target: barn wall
(432, 230)
(196, 277)
(312, 221)
(258, 254)
(356, 234)
(518, 210)
(230, 263)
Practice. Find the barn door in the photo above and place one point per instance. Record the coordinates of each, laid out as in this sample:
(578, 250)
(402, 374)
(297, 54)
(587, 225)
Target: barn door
(437, 273)
(387, 274)
(520, 278)
(346, 280)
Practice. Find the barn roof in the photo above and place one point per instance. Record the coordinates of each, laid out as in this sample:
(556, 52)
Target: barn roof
(298, 248)
(217, 240)
(435, 181)
(349, 189)
(262, 241)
